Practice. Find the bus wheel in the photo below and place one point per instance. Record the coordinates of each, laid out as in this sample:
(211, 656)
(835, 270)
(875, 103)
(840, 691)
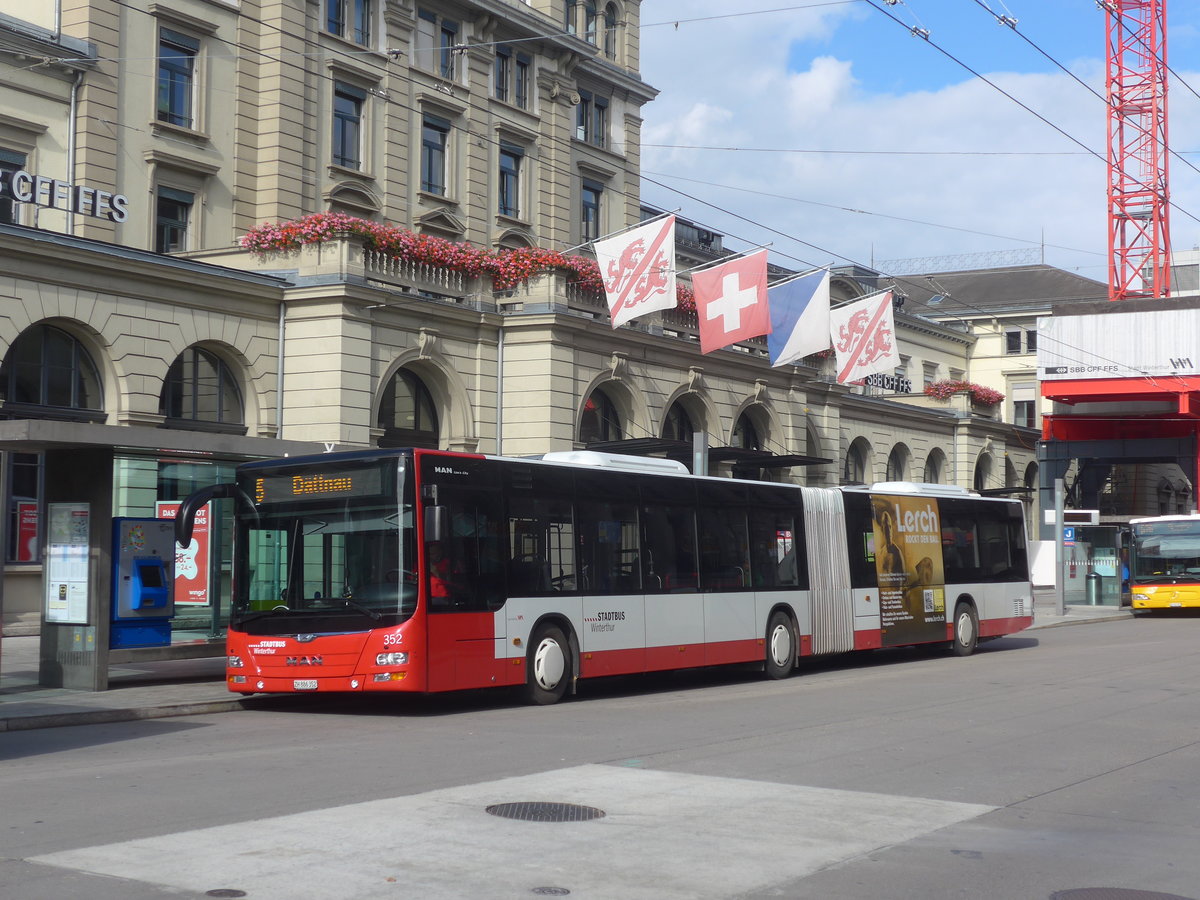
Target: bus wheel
(549, 667)
(966, 629)
(781, 646)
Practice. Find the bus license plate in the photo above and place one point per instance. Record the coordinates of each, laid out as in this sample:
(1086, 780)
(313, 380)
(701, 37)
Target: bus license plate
(304, 684)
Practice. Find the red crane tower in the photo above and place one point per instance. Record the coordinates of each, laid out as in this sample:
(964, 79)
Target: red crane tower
(1138, 237)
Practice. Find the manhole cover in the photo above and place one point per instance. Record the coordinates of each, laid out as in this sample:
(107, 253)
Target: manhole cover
(1104, 893)
(545, 812)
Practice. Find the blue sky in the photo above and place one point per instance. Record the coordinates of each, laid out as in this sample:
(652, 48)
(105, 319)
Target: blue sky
(892, 150)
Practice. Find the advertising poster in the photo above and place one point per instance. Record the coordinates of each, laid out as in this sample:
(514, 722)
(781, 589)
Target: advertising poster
(27, 531)
(908, 561)
(191, 562)
(66, 573)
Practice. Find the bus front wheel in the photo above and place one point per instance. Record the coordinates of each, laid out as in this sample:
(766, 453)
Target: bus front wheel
(966, 629)
(549, 667)
(781, 646)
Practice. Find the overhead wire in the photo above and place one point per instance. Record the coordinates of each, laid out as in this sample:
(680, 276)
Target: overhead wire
(992, 84)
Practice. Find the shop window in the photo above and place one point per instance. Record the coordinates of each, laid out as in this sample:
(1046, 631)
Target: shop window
(24, 508)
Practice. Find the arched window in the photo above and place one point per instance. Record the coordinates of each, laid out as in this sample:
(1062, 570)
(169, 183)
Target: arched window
(201, 388)
(935, 464)
(600, 421)
(677, 426)
(745, 435)
(407, 414)
(610, 31)
(589, 20)
(983, 472)
(856, 463)
(897, 464)
(49, 374)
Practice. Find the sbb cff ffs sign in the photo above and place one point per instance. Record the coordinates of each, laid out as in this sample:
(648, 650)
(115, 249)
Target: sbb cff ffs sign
(25, 187)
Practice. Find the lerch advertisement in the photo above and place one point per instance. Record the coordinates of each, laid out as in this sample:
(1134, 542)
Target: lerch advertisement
(908, 561)
(191, 562)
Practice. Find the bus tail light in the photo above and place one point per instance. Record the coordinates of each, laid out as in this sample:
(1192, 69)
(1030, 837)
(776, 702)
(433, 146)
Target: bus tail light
(234, 662)
(391, 659)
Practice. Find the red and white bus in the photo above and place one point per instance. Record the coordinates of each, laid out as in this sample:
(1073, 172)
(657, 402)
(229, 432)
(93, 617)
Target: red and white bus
(420, 570)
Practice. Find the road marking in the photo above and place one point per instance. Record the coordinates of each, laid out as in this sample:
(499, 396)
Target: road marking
(664, 835)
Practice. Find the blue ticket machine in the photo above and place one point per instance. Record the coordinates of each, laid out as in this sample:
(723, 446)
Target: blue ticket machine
(143, 600)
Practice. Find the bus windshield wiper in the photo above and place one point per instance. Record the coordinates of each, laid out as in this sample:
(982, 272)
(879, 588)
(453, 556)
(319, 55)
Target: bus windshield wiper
(358, 607)
(261, 614)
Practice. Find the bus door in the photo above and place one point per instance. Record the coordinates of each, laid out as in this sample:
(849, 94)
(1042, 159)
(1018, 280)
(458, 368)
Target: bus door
(462, 574)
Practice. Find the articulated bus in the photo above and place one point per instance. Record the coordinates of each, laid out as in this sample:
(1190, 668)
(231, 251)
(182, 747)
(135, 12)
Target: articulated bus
(421, 570)
(1164, 562)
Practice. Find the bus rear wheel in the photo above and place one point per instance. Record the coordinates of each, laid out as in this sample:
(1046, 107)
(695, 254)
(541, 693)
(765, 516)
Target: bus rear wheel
(781, 646)
(549, 667)
(966, 629)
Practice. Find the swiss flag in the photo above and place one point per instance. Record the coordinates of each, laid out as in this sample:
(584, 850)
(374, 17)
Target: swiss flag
(731, 301)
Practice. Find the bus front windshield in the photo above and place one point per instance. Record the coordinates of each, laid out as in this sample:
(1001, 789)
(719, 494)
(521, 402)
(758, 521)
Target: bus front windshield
(341, 567)
(1166, 552)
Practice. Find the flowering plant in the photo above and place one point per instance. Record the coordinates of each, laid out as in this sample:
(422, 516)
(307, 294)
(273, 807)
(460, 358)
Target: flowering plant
(984, 396)
(506, 268)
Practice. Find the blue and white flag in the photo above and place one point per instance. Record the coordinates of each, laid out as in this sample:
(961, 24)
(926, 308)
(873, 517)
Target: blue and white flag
(799, 318)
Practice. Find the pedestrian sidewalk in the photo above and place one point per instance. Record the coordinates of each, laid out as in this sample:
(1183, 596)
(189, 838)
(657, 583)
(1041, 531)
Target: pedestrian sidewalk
(187, 687)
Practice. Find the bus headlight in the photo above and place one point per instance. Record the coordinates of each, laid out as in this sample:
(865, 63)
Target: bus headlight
(391, 659)
(234, 662)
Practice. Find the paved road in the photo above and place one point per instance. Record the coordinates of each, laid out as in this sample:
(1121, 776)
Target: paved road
(1055, 760)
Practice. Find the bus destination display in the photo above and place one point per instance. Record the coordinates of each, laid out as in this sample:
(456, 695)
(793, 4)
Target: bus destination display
(314, 485)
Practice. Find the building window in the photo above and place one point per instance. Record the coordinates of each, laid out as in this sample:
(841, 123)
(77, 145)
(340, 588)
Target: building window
(349, 19)
(502, 74)
(200, 387)
(928, 374)
(677, 426)
(521, 73)
(24, 508)
(610, 31)
(589, 20)
(176, 77)
(1025, 404)
(436, 39)
(10, 161)
(348, 102)
(897, 464)
(510, 76)
(933, 467)
(1020, 340)
(600, 420)
(572, 11)
(591, 119)
(745, 435)
(172, 218)
(407, 414)
(855, 471)
(435, 138)
(47, 367)
(590, 211)
(511, 159)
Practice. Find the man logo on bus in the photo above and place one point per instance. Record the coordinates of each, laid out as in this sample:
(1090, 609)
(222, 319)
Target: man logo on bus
(304, 661)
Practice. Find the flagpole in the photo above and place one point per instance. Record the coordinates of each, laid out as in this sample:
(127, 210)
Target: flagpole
(724, 259)
(861, 299)
(792, 278)
(620, 230)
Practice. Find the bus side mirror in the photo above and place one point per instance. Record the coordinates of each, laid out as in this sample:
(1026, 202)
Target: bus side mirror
(436, 523)
(185, 519)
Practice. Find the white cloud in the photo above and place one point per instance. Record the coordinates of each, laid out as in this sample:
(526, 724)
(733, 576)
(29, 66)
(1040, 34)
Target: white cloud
(726, 83)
